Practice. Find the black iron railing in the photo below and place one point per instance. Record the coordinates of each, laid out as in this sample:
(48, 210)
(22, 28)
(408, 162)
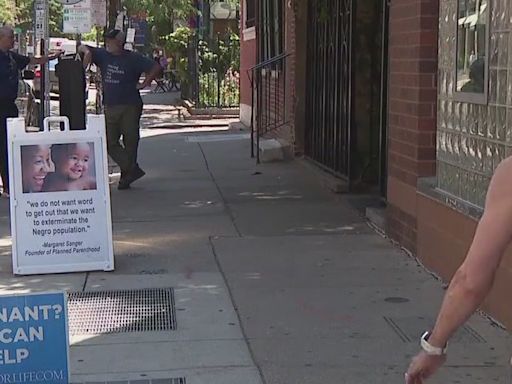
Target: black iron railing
(218, 73)
(269, 99)
(219, 91)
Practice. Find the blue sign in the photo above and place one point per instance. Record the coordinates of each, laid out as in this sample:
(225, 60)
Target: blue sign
(34, 339)
(141, 31)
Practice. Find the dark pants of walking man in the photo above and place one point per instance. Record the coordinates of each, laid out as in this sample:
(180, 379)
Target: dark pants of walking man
(123, 135)
(7, 109)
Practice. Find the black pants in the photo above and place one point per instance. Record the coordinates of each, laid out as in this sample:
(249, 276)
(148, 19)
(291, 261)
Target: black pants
(7, 109)
(123, 125)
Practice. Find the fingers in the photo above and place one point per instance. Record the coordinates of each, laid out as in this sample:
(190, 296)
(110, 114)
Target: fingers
(421, 368)
(413, 378)
(416, 371)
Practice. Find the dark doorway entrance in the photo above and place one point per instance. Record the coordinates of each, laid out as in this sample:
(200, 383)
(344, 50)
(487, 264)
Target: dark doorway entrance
(346, 89)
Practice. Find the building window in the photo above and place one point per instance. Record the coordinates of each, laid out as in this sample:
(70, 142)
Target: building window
(272, 33)
(472, 50)
(250, 14)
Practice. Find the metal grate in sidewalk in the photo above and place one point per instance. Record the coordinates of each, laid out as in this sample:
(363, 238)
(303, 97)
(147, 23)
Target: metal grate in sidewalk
(107, 312)
(409, 329)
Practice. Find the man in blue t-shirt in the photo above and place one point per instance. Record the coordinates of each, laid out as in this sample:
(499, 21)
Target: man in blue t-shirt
(120, 72)
(10, 66)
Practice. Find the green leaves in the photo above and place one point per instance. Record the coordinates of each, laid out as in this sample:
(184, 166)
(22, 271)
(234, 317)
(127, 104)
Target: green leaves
(21, 14)
(7, 12)
(177, 44)
(161, 14)
(56, 18)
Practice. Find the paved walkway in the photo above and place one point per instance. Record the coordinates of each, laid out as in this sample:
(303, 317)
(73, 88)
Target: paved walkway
(276, 280)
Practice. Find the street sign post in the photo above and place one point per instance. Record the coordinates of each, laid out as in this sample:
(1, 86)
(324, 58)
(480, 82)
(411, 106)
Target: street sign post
(41, 18)
(42, 35)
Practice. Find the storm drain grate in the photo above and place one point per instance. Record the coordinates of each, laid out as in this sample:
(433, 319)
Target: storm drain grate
(121, 311)
(180, 380)
(410, 329)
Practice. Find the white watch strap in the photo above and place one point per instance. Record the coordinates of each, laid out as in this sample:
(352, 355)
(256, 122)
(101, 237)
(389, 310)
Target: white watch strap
(430, 349)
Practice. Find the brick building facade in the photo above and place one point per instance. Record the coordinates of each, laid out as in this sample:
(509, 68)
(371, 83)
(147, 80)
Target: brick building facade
(248, 60)
(446, 107)
(412, 111)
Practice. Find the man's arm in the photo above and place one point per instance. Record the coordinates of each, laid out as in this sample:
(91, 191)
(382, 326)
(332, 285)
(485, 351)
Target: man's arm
(86, 51)
(44, 59)
(474, 279)
(155, 72)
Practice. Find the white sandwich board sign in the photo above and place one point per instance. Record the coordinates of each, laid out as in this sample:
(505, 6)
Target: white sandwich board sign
(60, 199)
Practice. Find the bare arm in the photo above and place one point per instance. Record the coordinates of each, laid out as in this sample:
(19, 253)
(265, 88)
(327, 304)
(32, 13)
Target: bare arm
(474, 279)
(44, 59)
(155, 72)
(87, 60)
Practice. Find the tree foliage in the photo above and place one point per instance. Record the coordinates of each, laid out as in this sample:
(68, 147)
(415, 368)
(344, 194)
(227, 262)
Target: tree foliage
(7, 12)
(161, 14)
(20, 13)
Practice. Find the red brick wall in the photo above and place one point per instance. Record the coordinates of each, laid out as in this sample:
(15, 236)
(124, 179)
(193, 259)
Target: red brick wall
(247, 60)
(444, 238)
(275, 87)
(274, 111)
(286, 133)
(290, 46)
(412, 111)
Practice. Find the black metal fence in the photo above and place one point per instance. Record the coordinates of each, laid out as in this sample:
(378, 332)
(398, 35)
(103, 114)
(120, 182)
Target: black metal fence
(269, 98)
(329, 94)
(219, 73)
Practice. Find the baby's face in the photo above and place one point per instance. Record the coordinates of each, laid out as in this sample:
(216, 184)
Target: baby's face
(76, 162)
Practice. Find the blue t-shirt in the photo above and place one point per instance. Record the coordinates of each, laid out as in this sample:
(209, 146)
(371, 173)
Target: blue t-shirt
(120, 75)
(10, 65)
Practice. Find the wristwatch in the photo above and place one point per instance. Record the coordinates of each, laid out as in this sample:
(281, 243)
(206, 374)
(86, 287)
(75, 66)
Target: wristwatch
(429, 348)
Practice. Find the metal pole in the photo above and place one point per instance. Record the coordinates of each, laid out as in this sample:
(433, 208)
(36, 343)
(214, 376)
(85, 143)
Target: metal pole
(46, 71)
(258, 114)
(219, 80)
(252, 113)
(41, 89)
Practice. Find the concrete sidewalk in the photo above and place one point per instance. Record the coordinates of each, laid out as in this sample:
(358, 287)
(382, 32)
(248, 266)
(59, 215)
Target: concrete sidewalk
(275, 279)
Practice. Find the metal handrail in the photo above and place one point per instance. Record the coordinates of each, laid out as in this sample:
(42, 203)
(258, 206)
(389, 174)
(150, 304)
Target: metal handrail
(276, 123)
(268, 62)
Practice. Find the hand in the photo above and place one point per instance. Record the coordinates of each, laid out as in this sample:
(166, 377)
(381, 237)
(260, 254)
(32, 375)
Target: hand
(55, 55)
(422, 367)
